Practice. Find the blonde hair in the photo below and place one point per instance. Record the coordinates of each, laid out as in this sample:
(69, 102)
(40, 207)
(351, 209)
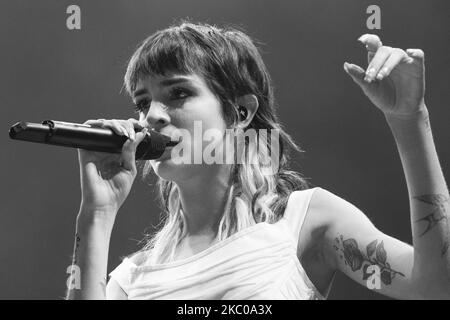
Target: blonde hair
(232, 66)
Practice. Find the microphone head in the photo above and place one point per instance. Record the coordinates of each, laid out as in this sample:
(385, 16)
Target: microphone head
(153, 146)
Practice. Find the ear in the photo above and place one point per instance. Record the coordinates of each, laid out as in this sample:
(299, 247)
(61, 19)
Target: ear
(250, 103)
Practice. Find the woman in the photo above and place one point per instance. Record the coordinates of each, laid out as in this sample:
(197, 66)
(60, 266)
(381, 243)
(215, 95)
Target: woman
(239, 231)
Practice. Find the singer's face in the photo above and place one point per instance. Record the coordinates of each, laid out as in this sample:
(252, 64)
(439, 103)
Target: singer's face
(182, 105)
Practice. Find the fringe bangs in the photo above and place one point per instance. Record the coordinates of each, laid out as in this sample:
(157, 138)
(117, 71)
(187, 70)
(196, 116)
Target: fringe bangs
(230, 61)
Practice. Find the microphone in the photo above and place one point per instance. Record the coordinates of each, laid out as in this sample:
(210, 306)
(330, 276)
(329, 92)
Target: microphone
(75, 135)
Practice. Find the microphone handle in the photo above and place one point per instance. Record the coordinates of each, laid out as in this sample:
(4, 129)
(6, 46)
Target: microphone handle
(82, 136)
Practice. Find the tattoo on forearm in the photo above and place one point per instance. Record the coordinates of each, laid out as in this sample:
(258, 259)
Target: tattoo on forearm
(77, 245)
(438, 215)
(358, 260)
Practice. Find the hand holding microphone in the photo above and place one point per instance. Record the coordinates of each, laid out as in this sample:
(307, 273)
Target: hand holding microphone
(107, 152)
(106, 178)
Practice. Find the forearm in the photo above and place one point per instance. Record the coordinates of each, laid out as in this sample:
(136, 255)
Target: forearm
(91, 256)
(428, 194)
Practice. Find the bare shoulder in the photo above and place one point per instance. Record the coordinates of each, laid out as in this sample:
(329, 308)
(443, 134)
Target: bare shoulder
(327, 214)
(327, 209)
(317, 220)
(312, 250)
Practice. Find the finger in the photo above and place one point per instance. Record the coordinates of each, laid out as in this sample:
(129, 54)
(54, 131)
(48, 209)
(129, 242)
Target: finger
(416, 54)
(396, 57)
(129, 127)
(136, 123)
(103, 123)
(377, 62)
(93, 122)
(109, 124)
(357, 74)
(370, 56)
(372, 43)
(119, 127)
(129, 150)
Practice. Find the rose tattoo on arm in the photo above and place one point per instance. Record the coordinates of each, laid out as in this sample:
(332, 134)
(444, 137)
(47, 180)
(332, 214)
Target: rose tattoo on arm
(358, 260)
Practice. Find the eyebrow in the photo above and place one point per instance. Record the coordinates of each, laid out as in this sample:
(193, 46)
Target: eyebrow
(172, 81)
(164, 83)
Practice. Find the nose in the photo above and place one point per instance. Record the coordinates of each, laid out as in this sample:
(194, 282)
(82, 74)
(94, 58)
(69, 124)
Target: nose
(157, 117)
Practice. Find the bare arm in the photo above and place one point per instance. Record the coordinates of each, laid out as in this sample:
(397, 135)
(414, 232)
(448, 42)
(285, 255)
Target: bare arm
(91, 255)
(418, 272)
(428, 195)
(354, 246)
(106, 181)
(395, 83)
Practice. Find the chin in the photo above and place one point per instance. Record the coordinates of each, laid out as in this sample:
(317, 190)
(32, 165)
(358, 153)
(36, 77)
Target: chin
(167, 169)
(177, 172)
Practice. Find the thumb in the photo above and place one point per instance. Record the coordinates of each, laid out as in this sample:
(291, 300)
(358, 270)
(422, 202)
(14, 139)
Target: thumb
(129, 150)
(357, 74)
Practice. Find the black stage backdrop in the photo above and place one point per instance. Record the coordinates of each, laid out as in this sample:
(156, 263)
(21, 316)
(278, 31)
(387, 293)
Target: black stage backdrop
(50, 72)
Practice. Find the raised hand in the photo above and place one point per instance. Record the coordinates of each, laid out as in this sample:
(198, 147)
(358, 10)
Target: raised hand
(394, 79)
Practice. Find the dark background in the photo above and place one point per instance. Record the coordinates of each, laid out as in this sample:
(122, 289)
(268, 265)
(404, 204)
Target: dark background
(50, 72)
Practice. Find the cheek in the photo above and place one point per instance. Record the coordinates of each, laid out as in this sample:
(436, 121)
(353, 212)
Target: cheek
(211, 115)
(206, 111)
(202, 123)
(213, 126)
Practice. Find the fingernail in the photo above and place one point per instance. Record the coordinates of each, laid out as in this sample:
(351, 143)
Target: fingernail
(125, 132)
(370, 71)
(381, 74)
(346, 66)
(369, 75)
(362, 38)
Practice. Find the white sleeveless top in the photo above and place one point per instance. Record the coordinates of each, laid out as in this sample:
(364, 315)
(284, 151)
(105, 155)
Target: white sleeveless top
(259, 262)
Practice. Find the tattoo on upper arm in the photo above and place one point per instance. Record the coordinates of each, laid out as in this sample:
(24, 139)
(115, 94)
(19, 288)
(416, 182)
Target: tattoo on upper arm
(438, 215)
(75, 251)
(358, 260)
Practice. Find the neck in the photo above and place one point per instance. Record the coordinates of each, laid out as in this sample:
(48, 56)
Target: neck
(204, 200)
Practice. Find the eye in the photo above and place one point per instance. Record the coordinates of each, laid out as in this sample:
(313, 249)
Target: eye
(179, 93)
(142, 105)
